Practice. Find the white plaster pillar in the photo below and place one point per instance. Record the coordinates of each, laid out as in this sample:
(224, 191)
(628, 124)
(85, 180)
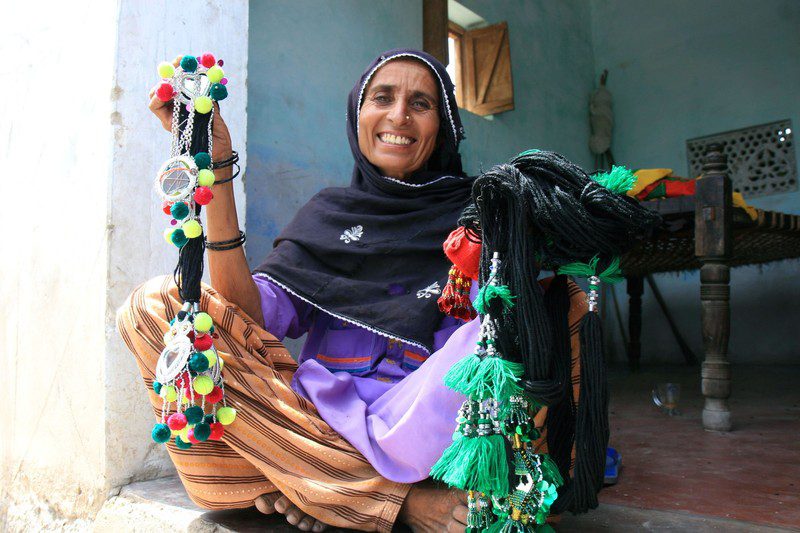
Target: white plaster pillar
(81, 228)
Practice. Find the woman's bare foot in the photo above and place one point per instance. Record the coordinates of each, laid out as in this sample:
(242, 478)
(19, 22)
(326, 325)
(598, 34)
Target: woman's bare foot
(432, 508)
(277, 502)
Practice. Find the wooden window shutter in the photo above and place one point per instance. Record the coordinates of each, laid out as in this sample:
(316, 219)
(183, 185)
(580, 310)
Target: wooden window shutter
(486, 70)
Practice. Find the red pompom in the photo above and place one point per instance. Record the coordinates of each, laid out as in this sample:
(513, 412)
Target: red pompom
(203, 195)
(214, 396)
(165, 92)
(167, 208)
(207, 60)
(191, 394)
(217, 430)
(203, 342)
(176, 421)
(191, 336)
(190, 434)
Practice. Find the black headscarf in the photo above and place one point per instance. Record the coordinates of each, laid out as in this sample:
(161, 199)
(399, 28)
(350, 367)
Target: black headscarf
(371, 253)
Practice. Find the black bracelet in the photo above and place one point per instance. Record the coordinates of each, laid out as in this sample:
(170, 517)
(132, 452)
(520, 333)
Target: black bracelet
(234, 158)
(226, 180)
(219, 246)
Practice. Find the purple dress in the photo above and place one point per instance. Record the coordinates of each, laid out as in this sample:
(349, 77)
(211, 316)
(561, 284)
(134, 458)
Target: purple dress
(365, 387)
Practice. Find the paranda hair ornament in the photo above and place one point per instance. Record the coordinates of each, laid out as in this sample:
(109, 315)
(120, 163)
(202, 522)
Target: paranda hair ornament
(189, 370)
(538, 212)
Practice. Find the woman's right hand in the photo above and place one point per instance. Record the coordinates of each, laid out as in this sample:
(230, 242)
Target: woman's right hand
(163, 111)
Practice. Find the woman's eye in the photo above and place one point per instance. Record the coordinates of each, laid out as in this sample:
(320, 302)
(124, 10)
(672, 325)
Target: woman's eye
(382, 99)
(421, 104)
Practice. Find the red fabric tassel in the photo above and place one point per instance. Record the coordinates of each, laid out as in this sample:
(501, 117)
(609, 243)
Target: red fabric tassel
(465, 254)
(454, 300)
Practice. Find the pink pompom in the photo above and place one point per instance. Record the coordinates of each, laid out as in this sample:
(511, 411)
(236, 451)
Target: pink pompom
(207, 60)
(214, 396)
(224, 81)
(203, 195)
(203, 342)
(190, 435)
(165, 92)
(176, 421)
(217, 430)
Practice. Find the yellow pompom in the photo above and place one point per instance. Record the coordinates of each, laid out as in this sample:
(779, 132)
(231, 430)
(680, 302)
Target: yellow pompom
(169, 393)
(205, 178)
(203, 385)
(215, 74)
(166, 70)
(182, 433)
(203, 322)
(168, 235)
(192, 229)
(226, 415)
(211, 355)
(221, 362)
(202, 104)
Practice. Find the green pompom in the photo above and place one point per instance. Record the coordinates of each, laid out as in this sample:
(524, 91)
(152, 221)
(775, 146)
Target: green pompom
(182, 444)
(161, 433)
(202, 160)
(189, 63)
(460, 374)
(157, 387)
(179, 238)
(218, 92)
(179, 210)
(198, 363)
(618, 180)
(194, 415)
(208, 419)
(490, 292)
(202, 432)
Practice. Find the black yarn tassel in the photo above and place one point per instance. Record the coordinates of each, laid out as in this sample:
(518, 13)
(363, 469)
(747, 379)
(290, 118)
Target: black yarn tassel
(561, 414)
(189, 270)
(591, 427)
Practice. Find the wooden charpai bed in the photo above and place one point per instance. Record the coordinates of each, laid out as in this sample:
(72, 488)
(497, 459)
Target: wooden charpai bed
(706, 232)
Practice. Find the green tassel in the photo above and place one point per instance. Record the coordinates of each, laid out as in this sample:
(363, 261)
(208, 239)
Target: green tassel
(459, 377)
(550, 471)
(474, 463)
(495, 377)
(612, 273)
(619, 180)
(489, 292)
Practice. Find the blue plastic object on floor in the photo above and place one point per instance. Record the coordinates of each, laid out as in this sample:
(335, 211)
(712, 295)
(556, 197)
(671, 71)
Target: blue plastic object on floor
(613, 462)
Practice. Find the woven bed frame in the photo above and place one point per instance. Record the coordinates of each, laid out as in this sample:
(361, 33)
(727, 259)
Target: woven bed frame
(706, 232)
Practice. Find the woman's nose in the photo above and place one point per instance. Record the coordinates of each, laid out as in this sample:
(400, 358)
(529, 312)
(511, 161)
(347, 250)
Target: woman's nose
(399, 114)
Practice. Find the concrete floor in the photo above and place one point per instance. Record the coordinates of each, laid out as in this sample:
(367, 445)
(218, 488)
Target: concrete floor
(675, 476)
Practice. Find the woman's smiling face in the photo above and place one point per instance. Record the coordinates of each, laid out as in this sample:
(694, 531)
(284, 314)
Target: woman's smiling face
(399, 119)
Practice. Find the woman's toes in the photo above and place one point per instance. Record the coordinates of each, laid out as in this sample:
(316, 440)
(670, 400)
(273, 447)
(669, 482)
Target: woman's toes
(282, 504)
(306, 524)
(319, 526)
(266, 503)
(293, 515)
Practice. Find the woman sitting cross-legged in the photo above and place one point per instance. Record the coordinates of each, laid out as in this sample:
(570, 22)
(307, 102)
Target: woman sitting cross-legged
(347, 435)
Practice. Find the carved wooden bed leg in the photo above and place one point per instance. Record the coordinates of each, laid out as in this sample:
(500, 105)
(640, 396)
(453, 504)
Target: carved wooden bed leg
(713, 214)
(635, 290)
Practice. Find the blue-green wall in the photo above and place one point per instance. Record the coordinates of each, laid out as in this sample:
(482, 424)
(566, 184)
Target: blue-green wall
(305, 55)
(680, 69)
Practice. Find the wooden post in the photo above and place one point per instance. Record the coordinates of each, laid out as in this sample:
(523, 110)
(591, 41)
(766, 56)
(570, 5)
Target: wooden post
(635, 290)
(434, 28)
(712, 234)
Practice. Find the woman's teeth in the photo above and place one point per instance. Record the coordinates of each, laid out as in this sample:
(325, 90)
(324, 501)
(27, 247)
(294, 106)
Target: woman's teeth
(394, 139)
